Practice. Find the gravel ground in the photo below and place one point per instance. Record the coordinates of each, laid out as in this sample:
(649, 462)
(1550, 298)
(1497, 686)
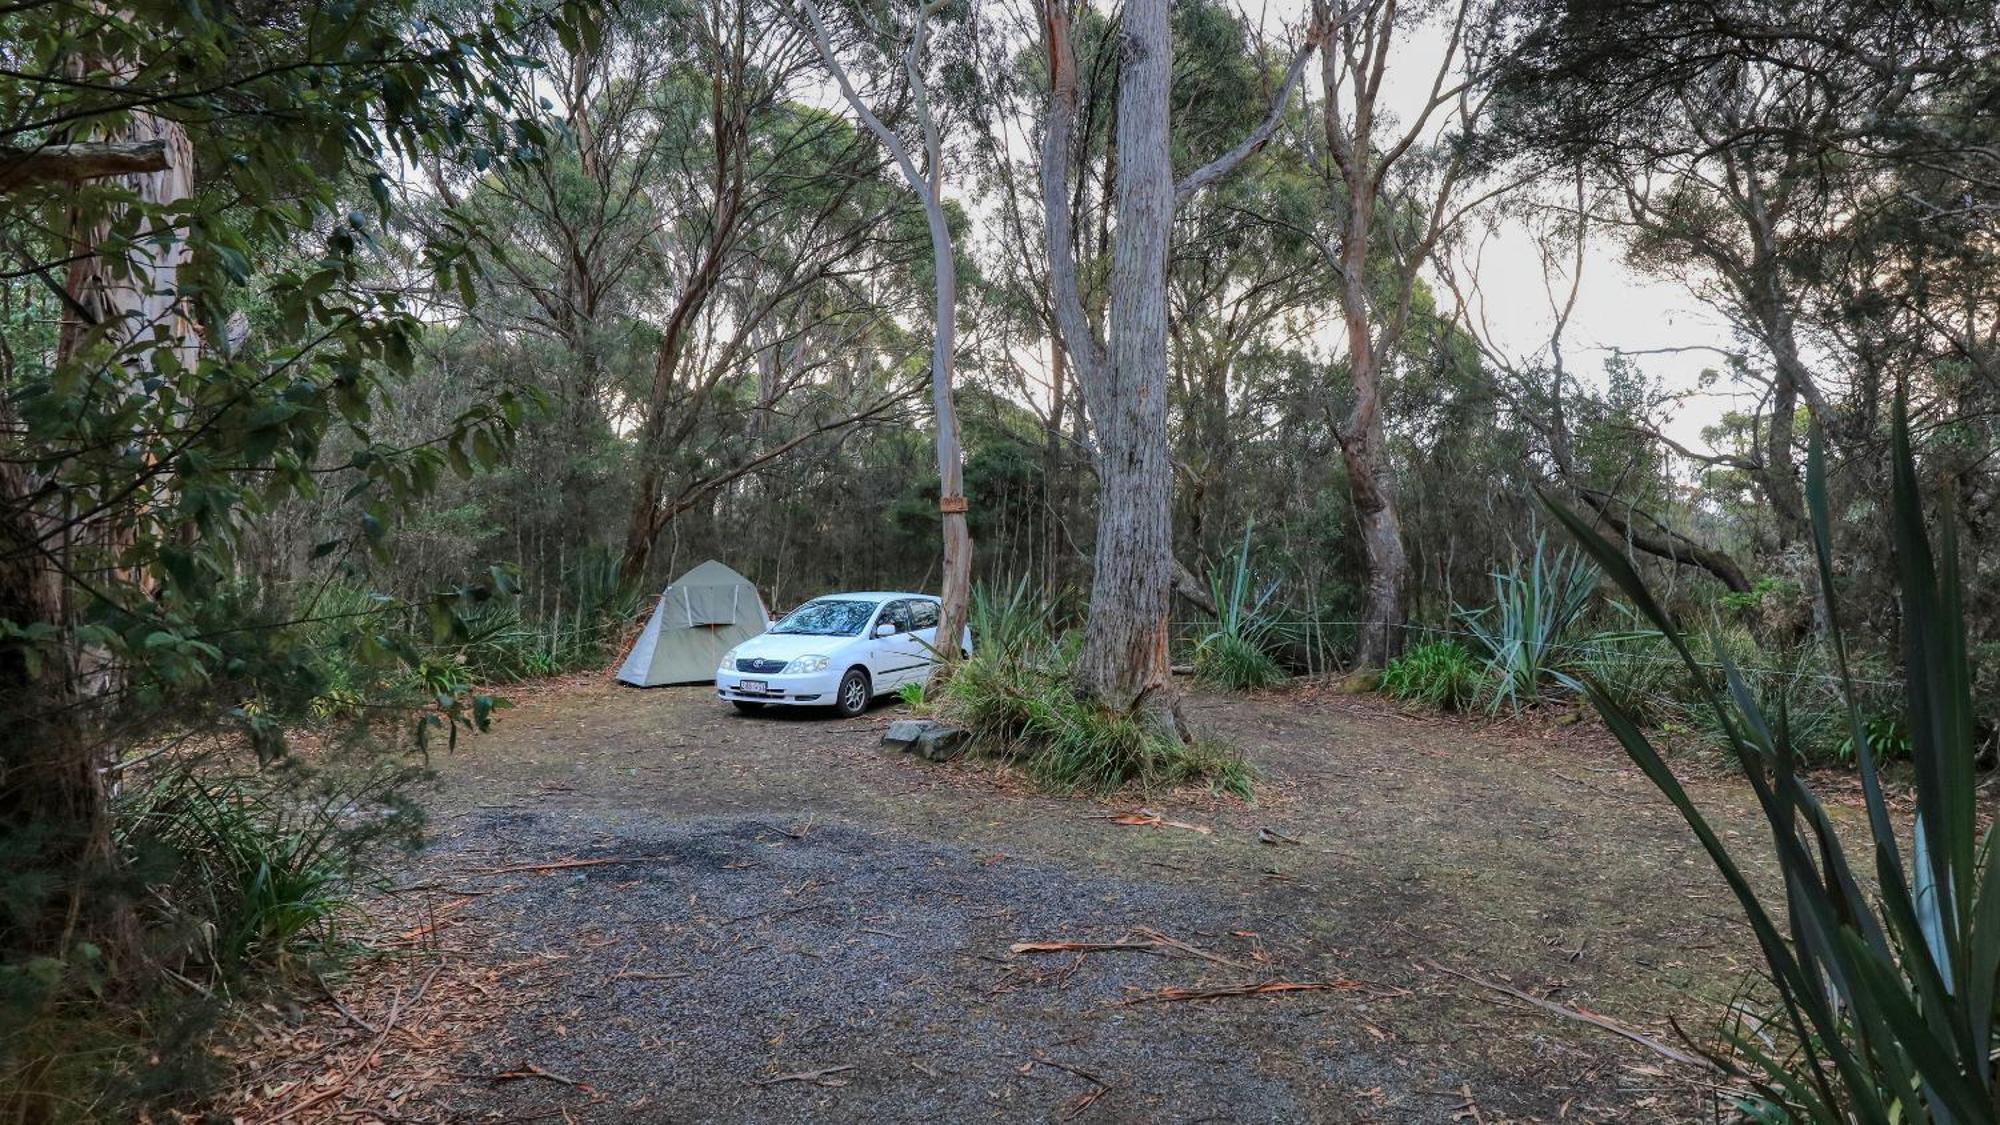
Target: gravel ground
(888, 956)
(794, 926)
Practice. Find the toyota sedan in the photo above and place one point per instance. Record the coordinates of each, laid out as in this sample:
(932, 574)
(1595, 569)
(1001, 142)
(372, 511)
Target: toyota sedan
(839, 651)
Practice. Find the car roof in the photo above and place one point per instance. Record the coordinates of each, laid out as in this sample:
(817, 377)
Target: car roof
(870, 596)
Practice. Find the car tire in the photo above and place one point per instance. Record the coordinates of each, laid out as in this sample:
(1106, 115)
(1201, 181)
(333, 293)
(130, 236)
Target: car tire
(853, 695)
(747, 706)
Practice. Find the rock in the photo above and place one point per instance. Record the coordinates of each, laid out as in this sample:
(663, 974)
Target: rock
(942, 743)
(903, 733)
(1361, 681)
(934, 741)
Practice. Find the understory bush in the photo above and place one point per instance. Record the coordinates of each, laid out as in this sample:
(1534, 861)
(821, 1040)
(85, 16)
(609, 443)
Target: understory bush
(1522, 634)
(258, 870)
(1020, 705)
(241, 882)
(1886, 977)
(1638, 670)
(1235, 654)
(1441, 674)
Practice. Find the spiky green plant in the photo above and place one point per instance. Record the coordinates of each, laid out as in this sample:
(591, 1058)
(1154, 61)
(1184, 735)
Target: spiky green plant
(1234, 655)
(1028, 711)
(1012, 622)
(1441, 675)
(1522, 633)
(1887, 998)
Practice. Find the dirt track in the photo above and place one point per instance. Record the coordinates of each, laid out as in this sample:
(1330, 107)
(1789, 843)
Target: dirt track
(794, 926)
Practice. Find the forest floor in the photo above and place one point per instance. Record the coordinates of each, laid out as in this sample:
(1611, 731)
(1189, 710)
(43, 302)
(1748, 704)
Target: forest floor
(639, 905)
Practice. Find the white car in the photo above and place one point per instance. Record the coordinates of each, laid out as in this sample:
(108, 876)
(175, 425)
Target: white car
(838, 651)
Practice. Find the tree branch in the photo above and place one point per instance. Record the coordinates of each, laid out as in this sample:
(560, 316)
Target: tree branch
(82, 160)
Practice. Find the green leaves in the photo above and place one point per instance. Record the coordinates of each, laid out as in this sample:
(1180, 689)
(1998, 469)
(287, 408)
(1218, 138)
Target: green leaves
(1890, 1003)
(1522, 632)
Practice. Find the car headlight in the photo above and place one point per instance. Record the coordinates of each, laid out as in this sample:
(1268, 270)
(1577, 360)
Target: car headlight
(807, 664)
(728, 663)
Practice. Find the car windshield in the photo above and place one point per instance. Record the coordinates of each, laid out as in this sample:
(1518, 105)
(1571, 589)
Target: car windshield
(827, 617)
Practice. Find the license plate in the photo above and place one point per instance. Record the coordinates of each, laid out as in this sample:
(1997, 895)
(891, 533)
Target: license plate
(754, 687)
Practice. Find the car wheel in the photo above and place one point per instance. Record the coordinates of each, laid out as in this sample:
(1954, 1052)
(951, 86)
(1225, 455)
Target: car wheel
(747, 706)
(854, 693)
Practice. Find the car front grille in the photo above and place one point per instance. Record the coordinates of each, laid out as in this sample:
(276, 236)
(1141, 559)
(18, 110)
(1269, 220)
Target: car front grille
(754, 664)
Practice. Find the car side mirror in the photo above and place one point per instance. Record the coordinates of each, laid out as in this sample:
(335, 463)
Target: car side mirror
(885, 629)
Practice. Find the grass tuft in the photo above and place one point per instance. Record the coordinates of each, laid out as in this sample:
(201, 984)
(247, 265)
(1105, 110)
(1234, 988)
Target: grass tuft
(1441, 675)
(1023, 708)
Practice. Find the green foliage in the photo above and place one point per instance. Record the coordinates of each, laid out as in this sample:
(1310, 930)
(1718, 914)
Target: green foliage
(1889, 998)
(1010, 622)
(1233, 655)
(912, 694)
(1024, 708)
(1886, 734)
(1441, 674)
(1636, 669)
(255, 870)
(1522, 633)
(1235, 663)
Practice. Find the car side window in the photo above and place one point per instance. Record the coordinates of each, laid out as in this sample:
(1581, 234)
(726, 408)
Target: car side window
(897, 614)
(924, 615)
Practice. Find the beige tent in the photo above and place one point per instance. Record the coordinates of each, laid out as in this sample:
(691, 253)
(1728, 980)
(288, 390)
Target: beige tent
(709, 611)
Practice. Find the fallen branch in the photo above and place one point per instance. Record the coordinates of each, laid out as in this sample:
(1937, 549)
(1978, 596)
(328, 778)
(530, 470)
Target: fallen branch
(1147, 818)
(650, 976)
(530, 1070)
(1166, 995)
(1583, 1015)
(566, 864)
(1080, 946)
(816, 1077)
(1081, 1102)
(1141, 940)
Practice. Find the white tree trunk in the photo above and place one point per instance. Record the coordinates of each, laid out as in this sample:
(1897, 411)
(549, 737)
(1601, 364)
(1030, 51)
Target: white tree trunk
(928, 183)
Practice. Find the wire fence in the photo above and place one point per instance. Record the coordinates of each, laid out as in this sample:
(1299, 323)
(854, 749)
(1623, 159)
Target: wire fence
(1592, 646)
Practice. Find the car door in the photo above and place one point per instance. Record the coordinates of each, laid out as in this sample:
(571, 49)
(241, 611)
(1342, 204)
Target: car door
(892, 660)
(923, 637)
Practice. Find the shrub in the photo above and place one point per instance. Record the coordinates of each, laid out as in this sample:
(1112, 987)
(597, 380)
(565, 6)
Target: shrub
(1010, 622)
(1234, 655)
(1521, 633)
(258, 869)
(1234, 663)
(1887, 999)
(1026, 711)
(1441, 674)
(1635, 669)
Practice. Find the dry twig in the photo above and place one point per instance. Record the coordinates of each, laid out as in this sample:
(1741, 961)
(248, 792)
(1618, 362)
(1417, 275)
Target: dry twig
(1583, 1015)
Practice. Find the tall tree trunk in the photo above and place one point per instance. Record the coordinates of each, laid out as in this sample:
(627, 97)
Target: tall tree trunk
(956, 591)
(54, 792)
(1364, 445)
(928, 183)
(1124, 661)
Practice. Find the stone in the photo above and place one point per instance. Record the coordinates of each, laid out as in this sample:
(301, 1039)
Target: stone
(903, 733)
(1361, 681)
(934, 741)
(942, 743)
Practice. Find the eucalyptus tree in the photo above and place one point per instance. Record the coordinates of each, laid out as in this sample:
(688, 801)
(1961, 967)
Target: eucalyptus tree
(769, 211)
(1244, 283)
(1747, 141)
(196, 194)
(926, 179)
(1123, 663)
(1605, 452)
(1397, 188)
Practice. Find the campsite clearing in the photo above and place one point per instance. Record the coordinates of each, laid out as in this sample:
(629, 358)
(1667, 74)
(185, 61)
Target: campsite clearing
(641, 905)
